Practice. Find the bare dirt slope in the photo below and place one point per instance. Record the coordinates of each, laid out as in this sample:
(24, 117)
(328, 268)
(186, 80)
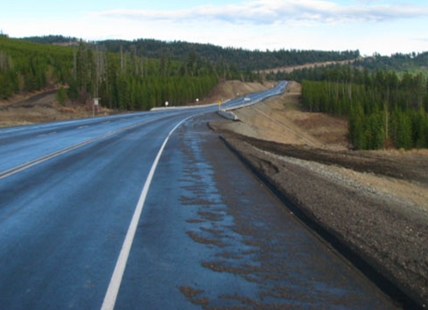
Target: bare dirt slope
(280, 119)
(41, 107)
(375, 203)
(231, 89)
(312, 65)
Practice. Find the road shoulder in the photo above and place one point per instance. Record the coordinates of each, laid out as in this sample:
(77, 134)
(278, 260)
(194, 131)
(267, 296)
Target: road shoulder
(375, 204)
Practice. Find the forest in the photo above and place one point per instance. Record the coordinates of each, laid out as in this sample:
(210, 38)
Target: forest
(413, 63)
(384, 109)
(134, 75)
(234, 58)
(26, 67)
(122, 80)
(385, 99)
(241, 58)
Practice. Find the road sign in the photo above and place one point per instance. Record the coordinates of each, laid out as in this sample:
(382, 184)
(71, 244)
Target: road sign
(96, 102)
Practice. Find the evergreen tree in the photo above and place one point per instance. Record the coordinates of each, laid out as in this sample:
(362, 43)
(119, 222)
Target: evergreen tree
(61, 96)
(402, 129)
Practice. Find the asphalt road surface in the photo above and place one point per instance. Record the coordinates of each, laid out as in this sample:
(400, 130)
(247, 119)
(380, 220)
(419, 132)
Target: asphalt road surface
(152, 211)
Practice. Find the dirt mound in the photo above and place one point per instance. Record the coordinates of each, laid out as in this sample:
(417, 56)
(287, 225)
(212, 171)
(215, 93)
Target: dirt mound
(41, 109)
(232, 89)
(282, 119)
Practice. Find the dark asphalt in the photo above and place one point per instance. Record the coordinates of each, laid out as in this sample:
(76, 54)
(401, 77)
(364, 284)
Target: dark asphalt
(62, 222)
(212, 236)
(209, 235)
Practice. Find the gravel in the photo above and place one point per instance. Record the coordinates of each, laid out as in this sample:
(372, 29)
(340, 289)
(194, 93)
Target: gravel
(383, 233)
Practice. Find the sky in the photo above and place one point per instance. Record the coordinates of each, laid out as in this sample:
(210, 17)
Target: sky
(371, 26)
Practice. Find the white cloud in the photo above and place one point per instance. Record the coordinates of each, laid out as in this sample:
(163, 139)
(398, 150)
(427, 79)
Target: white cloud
(257, 24)
(267, 12)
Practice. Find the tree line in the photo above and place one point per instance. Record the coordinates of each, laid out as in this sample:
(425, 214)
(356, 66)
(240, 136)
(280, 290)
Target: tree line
(126, 81)
(122, 80)
(134, 75)
(234, 59)
(26, 67)
(410, 63)
(384, 109)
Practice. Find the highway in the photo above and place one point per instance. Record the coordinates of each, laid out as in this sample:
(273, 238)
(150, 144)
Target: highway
(151, 211)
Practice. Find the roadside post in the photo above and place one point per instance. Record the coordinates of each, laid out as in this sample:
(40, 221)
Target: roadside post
(96, 102)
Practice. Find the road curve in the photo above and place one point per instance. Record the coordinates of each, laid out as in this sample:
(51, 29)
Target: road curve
(208, 234)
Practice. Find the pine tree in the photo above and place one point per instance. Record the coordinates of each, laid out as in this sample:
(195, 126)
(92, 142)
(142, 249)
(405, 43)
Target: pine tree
(402, 129)
(61, 96)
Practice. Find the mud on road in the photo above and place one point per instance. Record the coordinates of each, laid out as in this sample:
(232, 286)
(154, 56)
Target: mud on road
(372, 206)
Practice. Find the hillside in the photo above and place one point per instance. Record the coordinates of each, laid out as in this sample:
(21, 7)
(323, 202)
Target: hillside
(123, 81)
(234, 58)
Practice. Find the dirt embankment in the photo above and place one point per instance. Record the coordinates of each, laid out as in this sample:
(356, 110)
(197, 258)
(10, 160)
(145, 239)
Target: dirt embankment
(373, 204)
(311, 65)
(42, 107)
(231, 89)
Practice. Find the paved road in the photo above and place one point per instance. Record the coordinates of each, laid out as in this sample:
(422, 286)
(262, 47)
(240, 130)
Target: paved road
(151, 211)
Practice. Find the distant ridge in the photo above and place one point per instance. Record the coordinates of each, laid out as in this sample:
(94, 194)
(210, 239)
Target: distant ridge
(238, 58)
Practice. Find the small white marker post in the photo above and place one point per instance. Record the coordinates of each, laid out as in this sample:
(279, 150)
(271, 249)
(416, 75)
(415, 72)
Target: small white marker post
(96, 102)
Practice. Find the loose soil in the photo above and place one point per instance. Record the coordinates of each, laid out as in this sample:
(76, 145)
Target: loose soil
(311, 65)
(373, 204)
(42, 107)
(227, 90)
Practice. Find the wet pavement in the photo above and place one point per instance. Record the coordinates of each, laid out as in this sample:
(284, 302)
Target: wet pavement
(212, 236)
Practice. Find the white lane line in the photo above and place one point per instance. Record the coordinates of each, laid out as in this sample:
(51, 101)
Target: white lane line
(37, 161)
(116, 278)
(46, 134)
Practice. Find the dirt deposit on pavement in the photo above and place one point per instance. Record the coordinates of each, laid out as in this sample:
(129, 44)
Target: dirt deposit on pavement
(374, 203)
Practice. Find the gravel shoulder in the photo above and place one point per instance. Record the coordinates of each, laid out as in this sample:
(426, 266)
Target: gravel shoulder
(374, 205)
